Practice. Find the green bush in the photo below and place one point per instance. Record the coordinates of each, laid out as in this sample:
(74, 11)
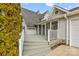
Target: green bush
(10, 28)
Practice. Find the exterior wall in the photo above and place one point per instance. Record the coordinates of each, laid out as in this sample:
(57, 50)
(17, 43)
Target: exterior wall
(75, 33)
(74, 17)
(74, 40)
(61, 32)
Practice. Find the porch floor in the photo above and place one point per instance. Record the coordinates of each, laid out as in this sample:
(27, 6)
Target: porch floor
(64, 50)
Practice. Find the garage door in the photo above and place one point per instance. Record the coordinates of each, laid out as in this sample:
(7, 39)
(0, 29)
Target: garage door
(75, 33)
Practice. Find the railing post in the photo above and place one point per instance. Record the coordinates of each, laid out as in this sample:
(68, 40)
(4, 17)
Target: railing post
(45, 29)
(49, 32)
(41, 29)
(50, 25)
(21, 40)
(48, 36)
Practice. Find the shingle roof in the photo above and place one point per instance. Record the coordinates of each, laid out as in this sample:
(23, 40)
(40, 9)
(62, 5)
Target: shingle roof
(74, 8)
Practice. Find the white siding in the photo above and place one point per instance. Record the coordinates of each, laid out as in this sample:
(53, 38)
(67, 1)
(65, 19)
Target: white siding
(61, 29)
(75, 33)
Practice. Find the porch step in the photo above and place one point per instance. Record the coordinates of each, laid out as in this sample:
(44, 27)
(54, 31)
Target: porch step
(42, 53)
(35, 47)
(35, 43)
(36, 51)
(38, 38)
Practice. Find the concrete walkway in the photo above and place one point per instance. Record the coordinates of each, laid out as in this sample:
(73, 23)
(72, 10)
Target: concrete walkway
(64, 50)
(35, 45)
(32, 36)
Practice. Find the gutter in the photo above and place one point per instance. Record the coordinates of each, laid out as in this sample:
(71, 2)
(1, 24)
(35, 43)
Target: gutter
(68, 30)
(67, 35)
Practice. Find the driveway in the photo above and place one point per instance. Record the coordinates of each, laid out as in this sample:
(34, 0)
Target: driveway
(64, 50)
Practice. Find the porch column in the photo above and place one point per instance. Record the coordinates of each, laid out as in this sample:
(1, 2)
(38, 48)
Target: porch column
(38, 30)
(50, 25)
(45, 29)
(41, 29)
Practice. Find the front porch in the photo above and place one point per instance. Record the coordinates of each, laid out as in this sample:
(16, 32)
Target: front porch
(49, 30)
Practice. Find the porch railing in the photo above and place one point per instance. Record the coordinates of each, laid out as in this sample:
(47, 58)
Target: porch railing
(21, 40)
(52, 35)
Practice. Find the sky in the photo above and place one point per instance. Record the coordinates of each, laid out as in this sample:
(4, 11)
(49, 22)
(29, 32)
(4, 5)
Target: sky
(42, 7)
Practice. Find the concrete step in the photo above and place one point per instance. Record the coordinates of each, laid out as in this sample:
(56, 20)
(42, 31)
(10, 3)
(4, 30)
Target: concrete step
(35, 37)
(35, 51)
(35, 43)
(42, 53)
(35, 47)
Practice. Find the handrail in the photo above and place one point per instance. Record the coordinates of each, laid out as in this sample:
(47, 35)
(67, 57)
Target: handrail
(21, 40)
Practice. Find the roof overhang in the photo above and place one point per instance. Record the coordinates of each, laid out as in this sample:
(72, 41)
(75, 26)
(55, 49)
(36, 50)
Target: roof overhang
(60, 16)
(60, 8)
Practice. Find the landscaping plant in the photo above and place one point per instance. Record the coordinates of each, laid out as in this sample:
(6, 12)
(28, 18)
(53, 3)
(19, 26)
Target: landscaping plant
(10, 28)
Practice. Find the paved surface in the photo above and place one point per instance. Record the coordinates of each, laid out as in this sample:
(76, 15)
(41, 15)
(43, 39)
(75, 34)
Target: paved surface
(31, 36)
(64, 50)
(35, 45)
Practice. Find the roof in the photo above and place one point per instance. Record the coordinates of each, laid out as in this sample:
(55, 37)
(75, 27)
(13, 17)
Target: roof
(28, 10)
(60, 8)
(74, 8)
(71, 12)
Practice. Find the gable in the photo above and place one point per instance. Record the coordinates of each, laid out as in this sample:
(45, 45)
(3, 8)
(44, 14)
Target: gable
(59, 10)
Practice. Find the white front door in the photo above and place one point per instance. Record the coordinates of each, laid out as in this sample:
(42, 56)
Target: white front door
(75, 33)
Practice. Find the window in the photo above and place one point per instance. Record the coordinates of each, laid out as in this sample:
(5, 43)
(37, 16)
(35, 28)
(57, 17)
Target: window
(56, 12)
(55, 25)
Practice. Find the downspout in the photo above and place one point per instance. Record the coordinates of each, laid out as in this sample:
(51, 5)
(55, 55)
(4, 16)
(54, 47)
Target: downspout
(68, 29)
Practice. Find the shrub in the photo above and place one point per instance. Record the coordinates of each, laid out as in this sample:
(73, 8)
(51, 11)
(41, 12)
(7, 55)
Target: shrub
(10, 28)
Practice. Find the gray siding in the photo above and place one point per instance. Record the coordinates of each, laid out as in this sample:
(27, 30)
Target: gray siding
(61, 29)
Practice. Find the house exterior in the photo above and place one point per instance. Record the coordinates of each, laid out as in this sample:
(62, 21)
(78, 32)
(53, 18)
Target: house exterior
(61, 24)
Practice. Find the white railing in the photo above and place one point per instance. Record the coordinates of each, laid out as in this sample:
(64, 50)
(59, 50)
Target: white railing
(52, 35)
(21, 40)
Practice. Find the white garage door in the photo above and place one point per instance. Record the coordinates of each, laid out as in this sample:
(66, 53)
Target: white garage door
(75, 33)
